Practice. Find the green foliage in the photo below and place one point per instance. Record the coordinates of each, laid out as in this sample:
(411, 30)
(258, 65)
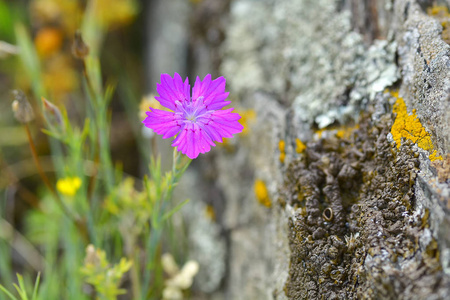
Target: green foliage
(22, 290)
(105, 278)
(121, 215)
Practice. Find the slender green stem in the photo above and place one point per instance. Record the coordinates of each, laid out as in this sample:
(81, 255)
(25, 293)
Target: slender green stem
(135, 280)
(178, 169)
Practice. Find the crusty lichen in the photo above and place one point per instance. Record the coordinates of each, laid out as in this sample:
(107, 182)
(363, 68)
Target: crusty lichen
(298, 43)
(356, 230)
(408, 126)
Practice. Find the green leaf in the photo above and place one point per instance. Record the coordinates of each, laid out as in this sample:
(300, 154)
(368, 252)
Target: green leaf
(52, 134)
(21, 289)
(174, 210)
(6, 22)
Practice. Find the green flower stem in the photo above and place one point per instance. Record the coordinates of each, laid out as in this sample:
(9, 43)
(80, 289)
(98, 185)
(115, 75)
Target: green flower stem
(178, 168)
(99, 104)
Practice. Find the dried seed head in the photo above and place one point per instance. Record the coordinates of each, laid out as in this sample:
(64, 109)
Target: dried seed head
(92, 256)
(79, 49)
(21, 108)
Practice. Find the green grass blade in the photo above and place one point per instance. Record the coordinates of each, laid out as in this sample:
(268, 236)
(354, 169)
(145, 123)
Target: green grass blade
(36, 285)
(11, 296)
(30, 60)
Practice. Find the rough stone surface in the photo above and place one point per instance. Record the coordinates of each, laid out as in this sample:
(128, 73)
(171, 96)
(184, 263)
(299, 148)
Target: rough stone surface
(353, 216)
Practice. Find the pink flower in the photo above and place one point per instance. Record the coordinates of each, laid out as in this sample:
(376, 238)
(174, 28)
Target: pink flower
(197, 121)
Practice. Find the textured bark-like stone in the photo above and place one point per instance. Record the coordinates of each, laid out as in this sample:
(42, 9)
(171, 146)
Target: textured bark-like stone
(355, 215)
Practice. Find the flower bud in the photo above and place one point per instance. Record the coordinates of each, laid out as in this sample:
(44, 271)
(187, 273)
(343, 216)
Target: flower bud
(53, 114)
(21, 108)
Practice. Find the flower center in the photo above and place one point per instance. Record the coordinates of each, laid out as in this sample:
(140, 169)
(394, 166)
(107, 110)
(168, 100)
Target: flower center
(192, 109)
(191, 117)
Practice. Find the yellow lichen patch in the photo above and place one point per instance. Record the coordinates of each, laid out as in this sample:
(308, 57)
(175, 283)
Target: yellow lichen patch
(300, 146)
(320, 132)
(438, 11)
(441, 13)
(261, 193)
(210, 212)
(282, 157)
(282, 147)
(68, 186)
(408, 126)
(345, 132)
(433, 156)
(246, 116)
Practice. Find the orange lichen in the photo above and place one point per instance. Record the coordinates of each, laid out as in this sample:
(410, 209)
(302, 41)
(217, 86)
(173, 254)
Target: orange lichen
(300, 146)
(261, 193)
(282, 146)
(408, 126)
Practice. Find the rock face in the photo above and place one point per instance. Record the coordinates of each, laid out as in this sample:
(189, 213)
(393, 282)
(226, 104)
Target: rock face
(349, 143)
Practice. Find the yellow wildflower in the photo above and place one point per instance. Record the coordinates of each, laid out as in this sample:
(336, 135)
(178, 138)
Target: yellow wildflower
(68, 186)
(179, 279)
(261, 193)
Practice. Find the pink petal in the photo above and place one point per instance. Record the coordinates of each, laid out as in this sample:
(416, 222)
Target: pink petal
(163, 122)
(213, 92)
(193, 140)
(221, 124)
(171, 90)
